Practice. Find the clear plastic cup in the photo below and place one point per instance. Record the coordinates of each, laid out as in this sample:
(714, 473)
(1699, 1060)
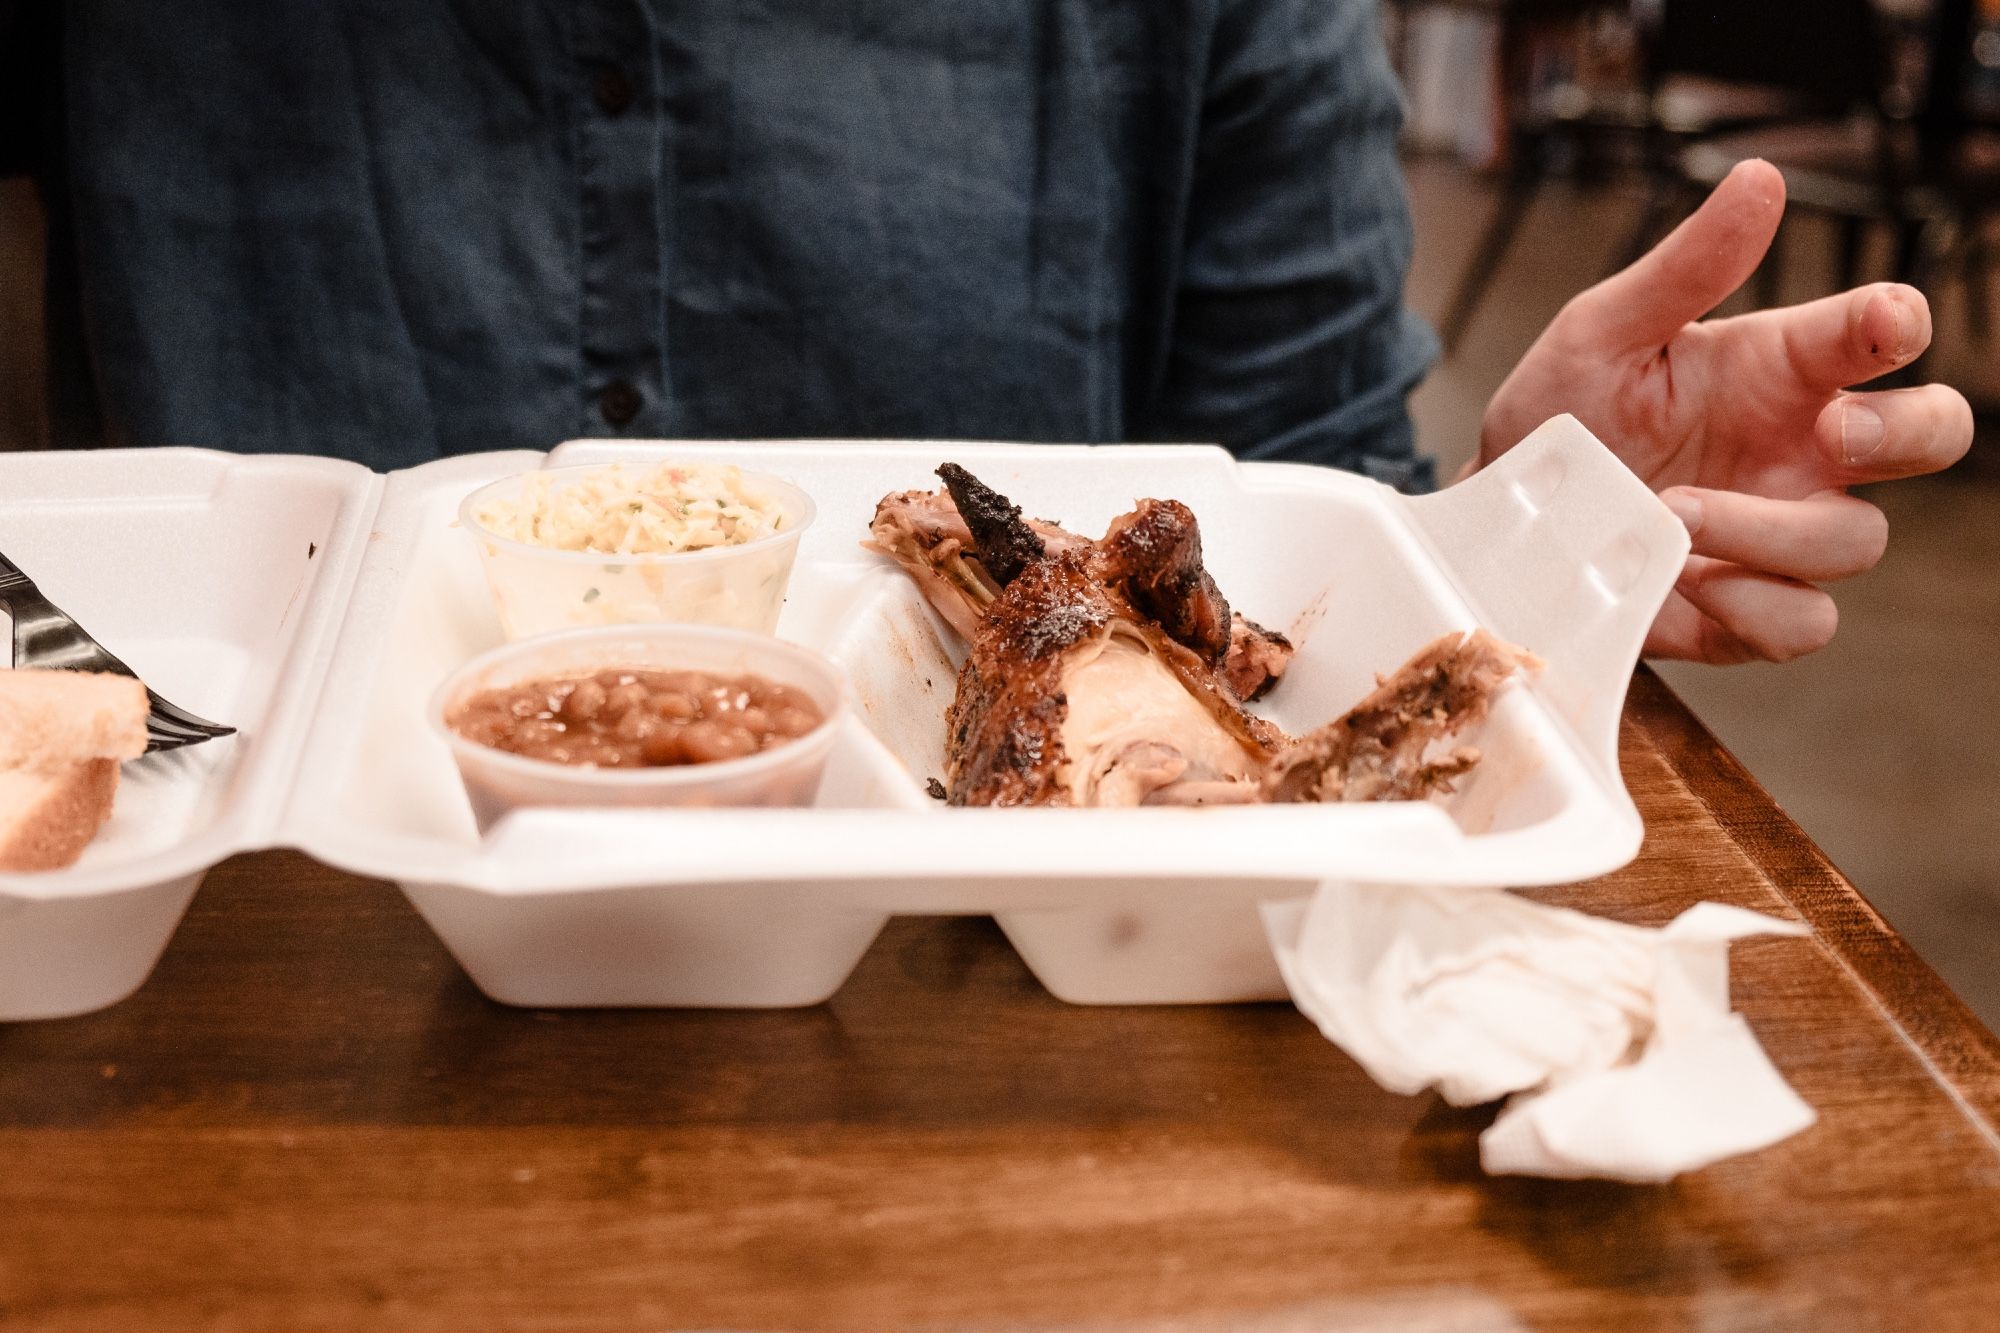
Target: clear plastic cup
(538, 590)
(785, 775)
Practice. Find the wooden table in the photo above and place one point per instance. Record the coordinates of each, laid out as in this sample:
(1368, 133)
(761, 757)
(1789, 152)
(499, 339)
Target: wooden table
(309, 1119)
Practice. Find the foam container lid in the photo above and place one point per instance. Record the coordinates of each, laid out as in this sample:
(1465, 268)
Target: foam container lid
(316, 605)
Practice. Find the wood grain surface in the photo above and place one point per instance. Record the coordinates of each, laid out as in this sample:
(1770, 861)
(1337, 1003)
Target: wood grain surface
(309, 1119)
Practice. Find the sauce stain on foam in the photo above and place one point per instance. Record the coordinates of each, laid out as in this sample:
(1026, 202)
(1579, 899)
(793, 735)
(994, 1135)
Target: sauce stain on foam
(1123, 931)
(305, 581)
(902, 624)
(914, 637)
(901, 704)
(900, 642)
(1308, 620)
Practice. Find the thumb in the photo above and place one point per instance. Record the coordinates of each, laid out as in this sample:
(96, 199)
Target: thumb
(1696, 267)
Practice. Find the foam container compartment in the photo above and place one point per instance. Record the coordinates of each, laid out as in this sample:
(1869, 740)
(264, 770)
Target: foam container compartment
(316, 605)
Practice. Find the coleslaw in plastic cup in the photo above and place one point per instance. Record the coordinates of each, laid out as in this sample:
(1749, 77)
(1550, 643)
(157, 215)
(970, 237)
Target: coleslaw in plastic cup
(538, 588)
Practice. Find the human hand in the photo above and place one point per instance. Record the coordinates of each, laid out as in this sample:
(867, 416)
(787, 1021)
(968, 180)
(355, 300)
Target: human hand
(1741, 424)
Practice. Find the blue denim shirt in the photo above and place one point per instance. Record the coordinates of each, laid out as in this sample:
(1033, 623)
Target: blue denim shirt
(395, 229)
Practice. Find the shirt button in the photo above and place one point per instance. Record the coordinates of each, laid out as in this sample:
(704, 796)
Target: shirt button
(613, 91)
(619, 402)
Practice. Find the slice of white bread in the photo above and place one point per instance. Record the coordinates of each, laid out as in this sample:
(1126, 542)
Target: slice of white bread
(62, 735)
(47, 819)
(52, 719)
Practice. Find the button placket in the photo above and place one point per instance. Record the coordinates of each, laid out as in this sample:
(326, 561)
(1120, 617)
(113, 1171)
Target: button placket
(620, 175)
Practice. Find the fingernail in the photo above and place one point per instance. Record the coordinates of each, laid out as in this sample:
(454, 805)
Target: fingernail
(1861, 432)
(1902, 328)
(1687, 508)
(1906, 337)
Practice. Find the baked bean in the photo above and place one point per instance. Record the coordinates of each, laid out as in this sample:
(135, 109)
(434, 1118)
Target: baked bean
(777, 698)
(708, 741)
(663, 747)
(635, 718)
(676, 706)
(637, 724)
(792, 720)
(584, 702)
(625, 697)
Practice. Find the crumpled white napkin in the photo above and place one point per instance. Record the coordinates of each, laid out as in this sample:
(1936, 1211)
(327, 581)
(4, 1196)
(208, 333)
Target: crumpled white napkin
(1616, 1042)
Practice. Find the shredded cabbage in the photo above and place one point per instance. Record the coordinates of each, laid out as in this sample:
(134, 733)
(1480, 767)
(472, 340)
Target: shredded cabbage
(616, 510)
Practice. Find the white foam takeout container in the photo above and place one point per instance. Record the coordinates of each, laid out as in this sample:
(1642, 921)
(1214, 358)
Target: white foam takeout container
(316, 605)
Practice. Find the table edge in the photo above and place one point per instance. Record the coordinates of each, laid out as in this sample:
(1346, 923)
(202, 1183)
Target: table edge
(1960, 1050)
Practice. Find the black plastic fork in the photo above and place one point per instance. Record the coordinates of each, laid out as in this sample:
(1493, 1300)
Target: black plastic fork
(44, 636)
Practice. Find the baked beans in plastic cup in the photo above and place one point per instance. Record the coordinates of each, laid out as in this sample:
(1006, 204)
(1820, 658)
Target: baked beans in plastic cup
(640, 715)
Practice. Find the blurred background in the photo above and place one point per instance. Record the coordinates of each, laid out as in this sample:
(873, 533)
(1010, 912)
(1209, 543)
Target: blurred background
(1548, 141)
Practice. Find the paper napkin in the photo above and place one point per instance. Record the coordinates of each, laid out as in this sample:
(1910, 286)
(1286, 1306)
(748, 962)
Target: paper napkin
(1615, 1044)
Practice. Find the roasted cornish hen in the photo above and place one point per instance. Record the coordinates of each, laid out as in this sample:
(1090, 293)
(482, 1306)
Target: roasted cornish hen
(1114, 672)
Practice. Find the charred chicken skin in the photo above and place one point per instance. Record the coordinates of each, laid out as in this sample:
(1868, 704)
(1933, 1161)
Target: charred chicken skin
(1113, 673)
(929, 534)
